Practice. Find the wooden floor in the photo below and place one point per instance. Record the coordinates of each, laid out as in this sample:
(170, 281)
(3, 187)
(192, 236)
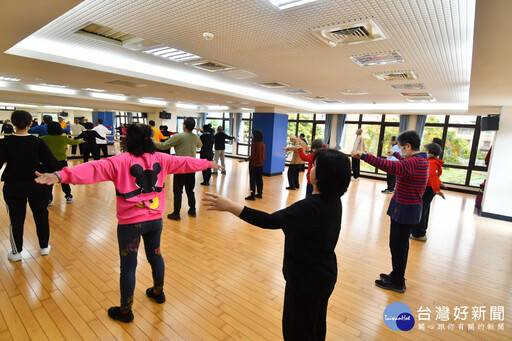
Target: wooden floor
(223, 276)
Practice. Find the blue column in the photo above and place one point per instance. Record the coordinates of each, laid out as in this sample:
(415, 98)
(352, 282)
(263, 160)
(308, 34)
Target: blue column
(275, 134)
(108, 120)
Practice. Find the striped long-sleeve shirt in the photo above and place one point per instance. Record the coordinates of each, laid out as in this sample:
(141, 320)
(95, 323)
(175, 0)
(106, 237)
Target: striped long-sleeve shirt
(411, 179)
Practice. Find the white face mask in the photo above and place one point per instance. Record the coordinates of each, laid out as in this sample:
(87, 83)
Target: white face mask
(402, 154)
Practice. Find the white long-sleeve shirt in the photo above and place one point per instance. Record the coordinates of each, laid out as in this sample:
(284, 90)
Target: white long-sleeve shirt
(359, 144)
(103, 132)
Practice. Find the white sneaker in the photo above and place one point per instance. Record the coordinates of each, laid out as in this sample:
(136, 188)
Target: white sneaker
(355, 179)
(15, 257)
(69, 200)
(50, 203)
(46, 250)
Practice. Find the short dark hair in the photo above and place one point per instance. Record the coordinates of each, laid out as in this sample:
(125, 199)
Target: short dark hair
(317, 144)
(257, 135)
(151, 123)
(393, 138)
(206, 128)
(88, 125)
(138, 139)
(332, 172)
(433, 148)
(47, 119)
(54, 128)
(411, 137)
(21, 119)
(302, 135)
(438, 141)
(100, 121)
(189, 123)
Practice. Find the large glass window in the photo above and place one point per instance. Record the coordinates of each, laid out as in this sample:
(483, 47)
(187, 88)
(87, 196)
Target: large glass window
(217, 119)
(311, 125)
(244, 138)
(464, 147)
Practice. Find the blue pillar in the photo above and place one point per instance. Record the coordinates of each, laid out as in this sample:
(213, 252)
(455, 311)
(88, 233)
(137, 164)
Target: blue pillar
(108, 120)
(275, 134)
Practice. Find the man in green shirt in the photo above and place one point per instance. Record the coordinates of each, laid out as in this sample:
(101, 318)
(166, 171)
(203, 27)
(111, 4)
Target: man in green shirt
(58, 144)
(185, 144)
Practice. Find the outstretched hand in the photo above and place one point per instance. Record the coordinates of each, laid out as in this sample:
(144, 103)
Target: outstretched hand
(46, 178)
(216, 166)
(215, 202)
(441, 194)
(356, 154)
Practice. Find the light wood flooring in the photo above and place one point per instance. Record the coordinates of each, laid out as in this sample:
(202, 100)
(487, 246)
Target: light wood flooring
(223, 276)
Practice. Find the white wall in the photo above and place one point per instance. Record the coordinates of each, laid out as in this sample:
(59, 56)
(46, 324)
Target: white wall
(498, 189)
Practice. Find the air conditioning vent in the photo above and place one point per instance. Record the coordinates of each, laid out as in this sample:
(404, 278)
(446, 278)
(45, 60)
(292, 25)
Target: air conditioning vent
(317, 97)
(422, 100)
(212, 66)
(377, 59)
(416, 94)
(273, 85)
(332, 101)
(104, 33)
(411, 86)
(396, 75)
(298, 92)
(128, 84)
(349, 33)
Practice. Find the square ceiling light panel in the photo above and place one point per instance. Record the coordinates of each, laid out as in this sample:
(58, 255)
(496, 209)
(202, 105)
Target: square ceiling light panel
(377, 59)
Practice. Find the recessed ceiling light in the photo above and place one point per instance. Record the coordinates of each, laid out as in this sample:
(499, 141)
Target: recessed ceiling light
(51, 89)
(171, 53)
(18, 105)
(185, 106)
(10, 79)
(108, 96)
(353, 92)
(152, 102)
(53, 85)
(67, 108)
(94, 90)
(377, 59)
(217, 107)
(416, 94)
(284, 4)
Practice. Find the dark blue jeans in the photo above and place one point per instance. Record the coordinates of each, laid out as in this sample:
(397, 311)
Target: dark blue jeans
(128, 237)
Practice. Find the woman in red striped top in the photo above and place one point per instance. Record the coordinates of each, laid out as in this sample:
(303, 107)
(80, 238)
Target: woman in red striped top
(405, 207)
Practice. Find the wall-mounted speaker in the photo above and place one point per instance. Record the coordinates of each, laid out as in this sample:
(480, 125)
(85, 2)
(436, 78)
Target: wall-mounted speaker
(490, 123)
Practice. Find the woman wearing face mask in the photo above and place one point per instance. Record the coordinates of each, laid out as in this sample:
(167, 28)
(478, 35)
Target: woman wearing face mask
(406, 204)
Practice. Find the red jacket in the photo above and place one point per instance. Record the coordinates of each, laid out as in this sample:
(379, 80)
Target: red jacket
(307, 158)
(434, 174)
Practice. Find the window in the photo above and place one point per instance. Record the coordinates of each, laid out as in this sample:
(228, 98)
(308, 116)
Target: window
(221, 119)
(377, 132)
(311, 125)
(464, 147)
(244, 139)
(124, 117)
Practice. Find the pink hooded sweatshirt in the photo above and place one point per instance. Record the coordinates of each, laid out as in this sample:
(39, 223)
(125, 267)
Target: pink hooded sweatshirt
(139, 181)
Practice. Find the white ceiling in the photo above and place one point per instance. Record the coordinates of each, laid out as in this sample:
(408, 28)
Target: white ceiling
(435, 38)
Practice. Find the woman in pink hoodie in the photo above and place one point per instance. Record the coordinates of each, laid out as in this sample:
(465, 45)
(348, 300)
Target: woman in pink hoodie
(138, 176)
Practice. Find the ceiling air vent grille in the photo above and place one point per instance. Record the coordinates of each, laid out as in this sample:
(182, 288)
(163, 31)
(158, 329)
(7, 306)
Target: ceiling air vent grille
(212, 66)
(416, 94)
(422, 100)
(298, 92)
(349, 33)
(317, 97)
(273, 85)
(377, 59)
(104, 33)
(411, 86)
(396, 75)
(332, 101)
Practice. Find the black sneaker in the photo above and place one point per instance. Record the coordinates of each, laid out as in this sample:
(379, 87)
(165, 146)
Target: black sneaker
(250, 197)
(192, 213)
(259, 196)
(116, 314)
(385, 284)
(174, 216)
(160, 298)
(291, 188)
(387, 277)
(205, 184)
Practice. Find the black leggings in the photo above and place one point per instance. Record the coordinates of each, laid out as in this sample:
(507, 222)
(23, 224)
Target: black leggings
(128, 237)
